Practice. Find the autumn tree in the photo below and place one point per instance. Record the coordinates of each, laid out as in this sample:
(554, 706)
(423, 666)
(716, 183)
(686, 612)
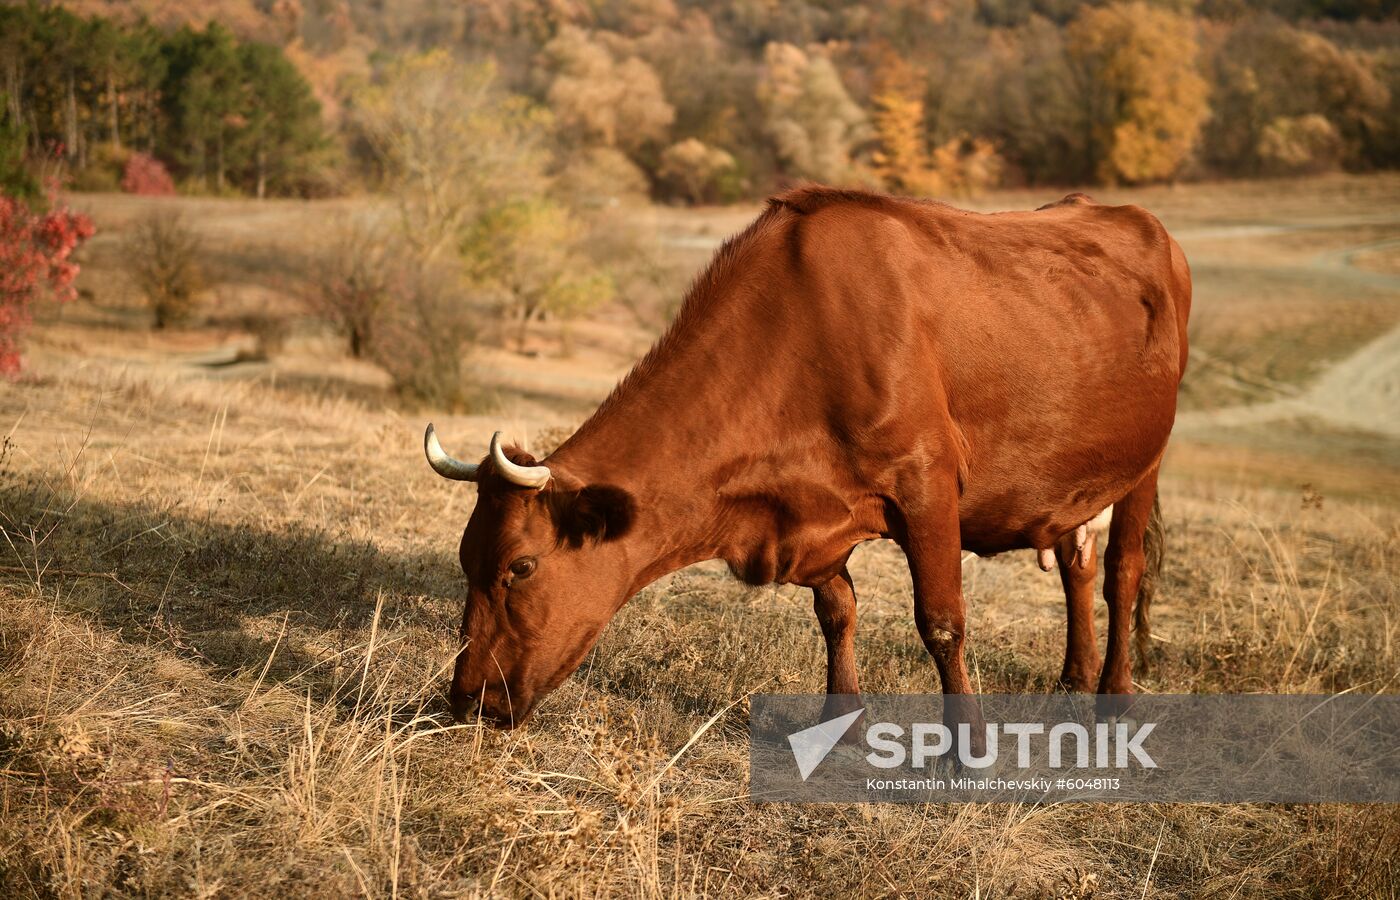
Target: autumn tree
(1299, 145)
(526, 255)
(901, 159)
(451, 146)
(812, 121)
(467, 165)
(596, 177)
(145, 175)
(965, 166)
(602, 96)
(710, 85)
(1034, 112)
(36, 247)
(1145, 99)
(960, 166)
(1283, 94)
(695, 169)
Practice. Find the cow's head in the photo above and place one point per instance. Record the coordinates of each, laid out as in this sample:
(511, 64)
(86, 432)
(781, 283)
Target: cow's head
(545, 571)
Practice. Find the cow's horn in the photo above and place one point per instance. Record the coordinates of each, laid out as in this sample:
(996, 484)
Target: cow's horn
(443, 464)
(525, 476)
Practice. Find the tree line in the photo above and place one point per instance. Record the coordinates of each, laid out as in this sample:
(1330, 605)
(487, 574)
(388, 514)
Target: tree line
(718, 101)
(722, 100)
(223, 114)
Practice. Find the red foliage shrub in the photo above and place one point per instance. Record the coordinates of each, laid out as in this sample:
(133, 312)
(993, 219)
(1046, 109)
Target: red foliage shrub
(146, 175)
(34, 258)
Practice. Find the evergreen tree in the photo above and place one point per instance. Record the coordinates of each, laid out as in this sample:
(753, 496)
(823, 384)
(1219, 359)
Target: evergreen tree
(283, 120)
(202, 102)
(15, 180)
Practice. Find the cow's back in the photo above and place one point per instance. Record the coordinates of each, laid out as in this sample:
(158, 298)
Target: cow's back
(1043, 348)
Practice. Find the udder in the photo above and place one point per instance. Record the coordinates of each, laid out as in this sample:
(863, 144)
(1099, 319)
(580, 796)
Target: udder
(1098, 523)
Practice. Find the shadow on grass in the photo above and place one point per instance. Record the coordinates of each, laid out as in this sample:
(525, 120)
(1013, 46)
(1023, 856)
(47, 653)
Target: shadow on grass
(223, 594)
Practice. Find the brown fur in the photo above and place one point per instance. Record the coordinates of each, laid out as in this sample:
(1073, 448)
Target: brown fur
(852, 366)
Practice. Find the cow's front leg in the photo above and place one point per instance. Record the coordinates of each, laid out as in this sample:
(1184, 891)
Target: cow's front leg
(835, 605)
(933, 546)
(1078, 567)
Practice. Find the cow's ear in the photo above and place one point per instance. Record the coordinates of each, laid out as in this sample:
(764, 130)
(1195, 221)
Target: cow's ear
(597, 512)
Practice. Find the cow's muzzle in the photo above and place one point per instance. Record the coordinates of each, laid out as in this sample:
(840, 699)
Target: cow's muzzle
(490, 705)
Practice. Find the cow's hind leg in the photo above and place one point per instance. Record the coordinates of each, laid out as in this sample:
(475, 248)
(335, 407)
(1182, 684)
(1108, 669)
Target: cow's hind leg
(1124, 564)
(1078, 568)
(835, 605)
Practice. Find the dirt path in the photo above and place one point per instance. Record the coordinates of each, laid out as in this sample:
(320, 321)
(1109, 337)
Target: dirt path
(1361, 391)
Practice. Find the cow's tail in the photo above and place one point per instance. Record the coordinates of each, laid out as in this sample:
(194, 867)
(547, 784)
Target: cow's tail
(1152, 546)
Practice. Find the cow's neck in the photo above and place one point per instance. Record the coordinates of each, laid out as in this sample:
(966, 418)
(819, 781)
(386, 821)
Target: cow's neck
(685, 434)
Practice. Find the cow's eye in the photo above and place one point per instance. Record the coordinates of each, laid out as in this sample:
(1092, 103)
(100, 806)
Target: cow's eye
(523, 567)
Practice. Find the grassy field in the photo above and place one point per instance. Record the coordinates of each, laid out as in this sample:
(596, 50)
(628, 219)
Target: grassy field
(229, 594)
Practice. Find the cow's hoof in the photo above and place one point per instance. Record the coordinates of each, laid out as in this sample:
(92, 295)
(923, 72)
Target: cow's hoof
(1083, 684)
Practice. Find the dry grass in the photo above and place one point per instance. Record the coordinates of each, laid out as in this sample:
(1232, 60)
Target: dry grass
(221, 650)
(226, 605)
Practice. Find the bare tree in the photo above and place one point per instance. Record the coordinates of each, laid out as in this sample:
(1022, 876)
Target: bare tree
(162, 258)
(452, 145)
(423, 336)
(350, 280)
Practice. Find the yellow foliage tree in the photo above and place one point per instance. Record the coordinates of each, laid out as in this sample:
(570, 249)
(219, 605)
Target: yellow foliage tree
(965, 166)
(452, 144)
(901, 159)
(1146, 101)
(694, 168)
(904, 159)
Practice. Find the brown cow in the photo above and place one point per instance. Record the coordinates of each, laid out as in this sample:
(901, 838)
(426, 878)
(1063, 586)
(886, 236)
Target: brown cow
(849, 367)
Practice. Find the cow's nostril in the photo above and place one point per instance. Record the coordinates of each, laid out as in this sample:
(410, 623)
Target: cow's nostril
(464, 704)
